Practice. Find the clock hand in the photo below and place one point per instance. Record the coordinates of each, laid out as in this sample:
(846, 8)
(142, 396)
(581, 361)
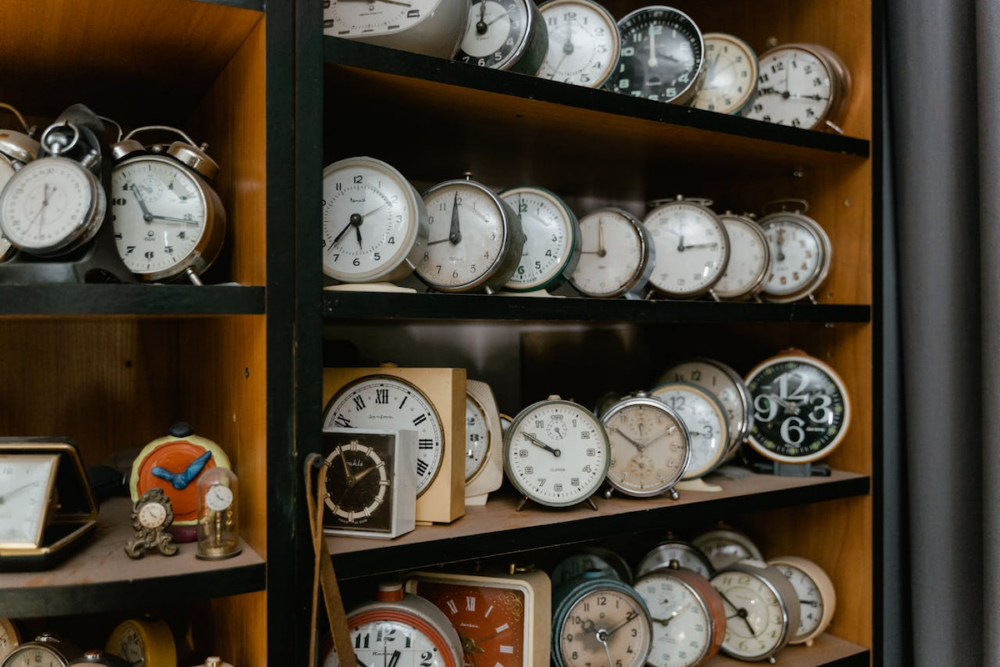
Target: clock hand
(397, 2)
(444, 240)
(631, 616)
(357, 230)
(811, 603)
(146, 215)
(502, 16)
(535, 441)
(363, 473)
(674, 614)
(455, 233)
(662, 435)
(601, 251)
(700, 245)
(588, 626)
(781, 243)
(680, 243)
(469, 644)
(481, 26)
(740, 612)
(620, 432)
(7, 496)
(602, 637)
(555, 70)
(193, 469)
(347, 471)
(365, 215)
(167, 218)
(354, 220)
(652, 62)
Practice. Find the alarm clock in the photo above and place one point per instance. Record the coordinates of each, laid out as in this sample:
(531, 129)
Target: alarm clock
(761, 608)
(100, 658)
(173, 463)
(396, 623)
(551, 239)
(816, 595)
(10, 637)
(501, 619)
(46, 649)
(706, 421)
(692, 247)
(725, 545)
(591, 559)
(584, 43)
(144, 641)
(430, 27)
(686, 554)
(16, 150)
(483, 443)
(749, 259)
(617, 255)
(730, 74)
(507, 35)
(169, 222)
(800, 249)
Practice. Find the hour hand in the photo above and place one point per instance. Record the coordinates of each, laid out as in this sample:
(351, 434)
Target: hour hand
(455, 233)
(620, 432)
(538, 443)
(194, 468)
(147, 216)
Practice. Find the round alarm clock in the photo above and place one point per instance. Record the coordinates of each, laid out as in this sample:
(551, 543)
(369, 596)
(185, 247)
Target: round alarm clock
(728, 387)
(801, 408)
(374, 222)
(483, 443)
(47, 650)
(430, 27)
(475, 238)
(556, 453)
(686, 554)
(55, 204)
(377, 401)
(761, 607)
(551, 239)
(103, 659)
(16, 150)
(749, 259)
(816, 595)
(143, 641)
(662, 56)
(404, 625)
(616, 255)
(169, 222)
(599, 618)
(689, 621)
(730, 74)
(591, 559)
(508, 35)
(802, 85)
(706, 421)
(584, 44)
(801, 253)
(173, 463)
(724, 546)
(10, 638)
(692, 247)
(650, 449)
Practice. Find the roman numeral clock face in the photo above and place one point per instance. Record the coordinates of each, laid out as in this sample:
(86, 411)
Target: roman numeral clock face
(391, 403)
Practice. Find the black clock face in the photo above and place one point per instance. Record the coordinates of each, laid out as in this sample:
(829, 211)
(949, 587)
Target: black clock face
(495, 32)
(801, 411)
(359, 481)
(662, 55)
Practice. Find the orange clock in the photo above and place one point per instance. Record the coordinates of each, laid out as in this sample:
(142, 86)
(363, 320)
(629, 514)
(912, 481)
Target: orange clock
(174, 463)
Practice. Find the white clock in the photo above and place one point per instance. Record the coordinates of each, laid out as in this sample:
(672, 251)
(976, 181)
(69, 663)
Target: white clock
(429, 27)
(551, 239)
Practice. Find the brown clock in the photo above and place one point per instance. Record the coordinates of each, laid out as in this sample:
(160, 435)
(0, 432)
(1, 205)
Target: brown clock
(502, 619)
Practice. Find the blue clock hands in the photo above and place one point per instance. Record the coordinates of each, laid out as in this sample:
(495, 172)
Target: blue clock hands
(181, 480)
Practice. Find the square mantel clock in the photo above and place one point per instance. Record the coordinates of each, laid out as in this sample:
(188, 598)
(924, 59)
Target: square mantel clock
(430, 401)
(46, 507)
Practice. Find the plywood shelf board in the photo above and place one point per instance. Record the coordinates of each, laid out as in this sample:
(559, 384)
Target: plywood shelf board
(139, 300)
(101, 577)
(826, 651)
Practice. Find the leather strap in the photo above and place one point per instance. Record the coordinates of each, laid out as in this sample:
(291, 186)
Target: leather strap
(324, 574)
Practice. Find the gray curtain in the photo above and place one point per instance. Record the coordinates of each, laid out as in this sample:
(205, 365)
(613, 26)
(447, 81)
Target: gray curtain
(941, 510)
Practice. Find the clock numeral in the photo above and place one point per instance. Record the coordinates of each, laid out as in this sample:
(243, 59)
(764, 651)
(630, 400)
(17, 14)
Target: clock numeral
(422, 467)
(470, 603)
(359, 403)
(418, 420)
(359, 179)
(574, 481)
(591, 451)
(118, 202)
(342, 421)
(425, 443)
(529, 470)
(381, 397)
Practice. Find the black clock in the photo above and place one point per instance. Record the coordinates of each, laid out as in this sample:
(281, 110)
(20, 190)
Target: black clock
(662, 56)
(801, 408)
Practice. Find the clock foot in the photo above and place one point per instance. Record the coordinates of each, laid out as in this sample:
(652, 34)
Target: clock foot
(608, 493)
(193, 277)
(521, 503)
(673, 494)
(591, 503)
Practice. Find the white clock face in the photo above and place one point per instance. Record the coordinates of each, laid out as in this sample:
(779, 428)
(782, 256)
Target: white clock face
(810, 599)
(131, 648)
(682, 629)
(730, 76)
(725, 547)
(714, 379)
(583, 43)
(48, 203)
(477, 437)
(467, 234)
(748, 258)
(159, 213)
(24, 497)
(756, 624)
(218, 498)
(371, 217)
(549, 229)
(354, 18)
(613, 616)
(708, 431)
(387, 402)
(793, 89)
(496, 33)
(797, 257)
(649, 449)
(684, 554)
(556, 453)
(692, 248)
(612, 254)
(391, 643)
(152, 515)
(34, 656)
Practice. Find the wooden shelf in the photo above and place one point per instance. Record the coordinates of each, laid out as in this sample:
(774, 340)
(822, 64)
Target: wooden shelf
(100, 577)
(498, 529)
(509, 128)
(826, 651)
(347, 306)
(179, 300)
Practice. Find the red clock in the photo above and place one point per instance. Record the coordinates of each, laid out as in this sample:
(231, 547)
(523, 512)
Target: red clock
(502, 620)
(174, 464)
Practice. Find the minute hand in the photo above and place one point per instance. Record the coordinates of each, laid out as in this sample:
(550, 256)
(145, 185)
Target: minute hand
(538, 443)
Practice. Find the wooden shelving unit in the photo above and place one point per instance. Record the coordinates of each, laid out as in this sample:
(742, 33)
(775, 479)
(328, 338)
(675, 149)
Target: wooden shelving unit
(596, 148)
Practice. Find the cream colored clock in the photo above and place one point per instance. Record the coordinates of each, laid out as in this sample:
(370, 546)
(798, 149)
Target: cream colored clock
(483, 443)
